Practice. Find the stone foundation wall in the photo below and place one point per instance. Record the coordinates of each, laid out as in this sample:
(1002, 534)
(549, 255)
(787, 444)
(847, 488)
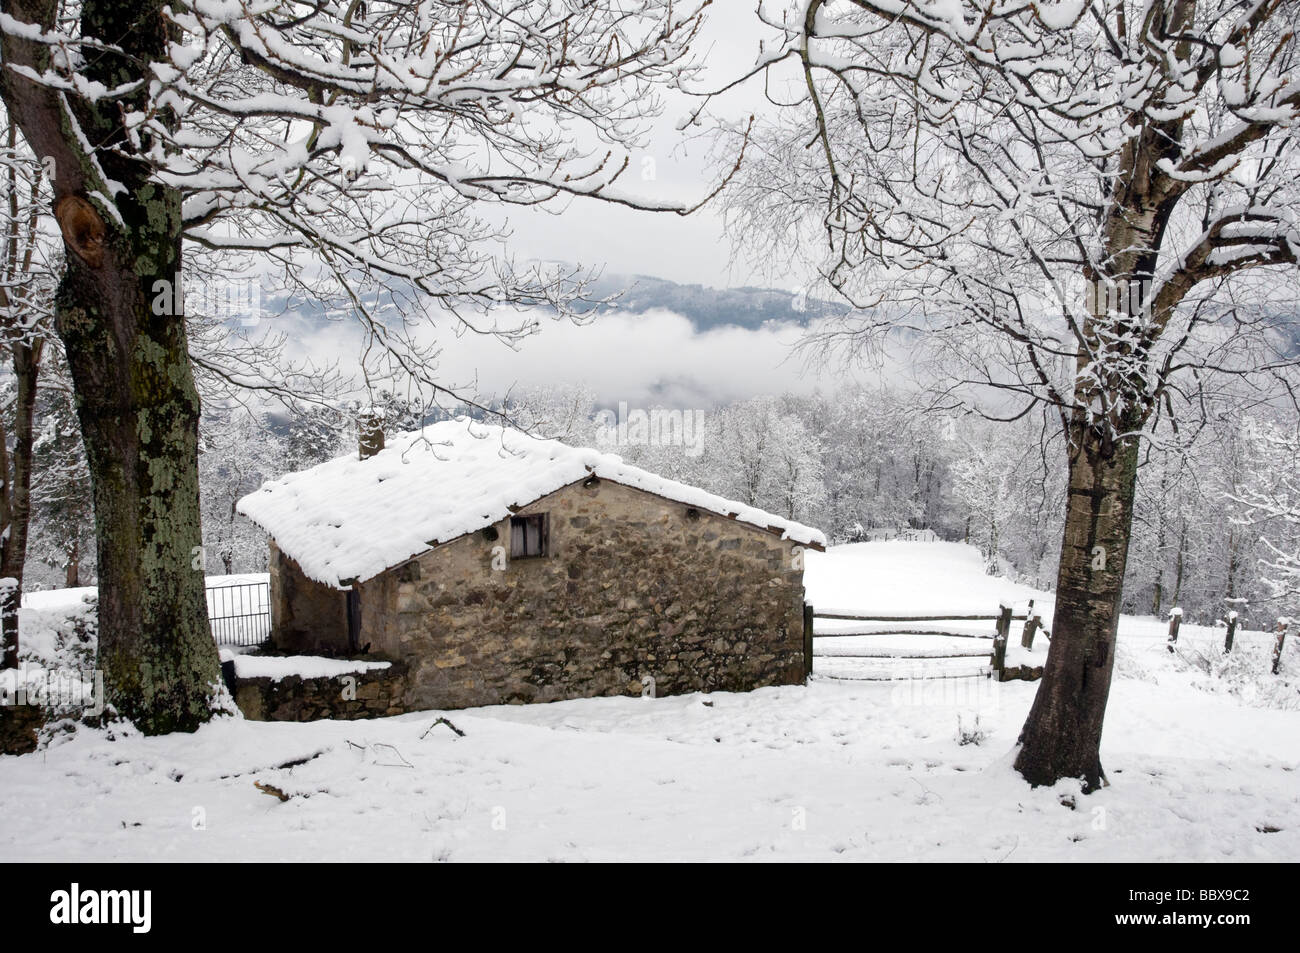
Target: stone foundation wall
(1020, 673)
(371, 694)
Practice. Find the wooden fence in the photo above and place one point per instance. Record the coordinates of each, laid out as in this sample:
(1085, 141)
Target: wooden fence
(1284, 625)
(940, 625)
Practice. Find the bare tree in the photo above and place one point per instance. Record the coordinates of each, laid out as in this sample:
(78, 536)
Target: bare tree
(348, 142)
(238, 452)
(25, 292)
(1269, 504)
(765, 456)
(63, 518)
(1079, 205)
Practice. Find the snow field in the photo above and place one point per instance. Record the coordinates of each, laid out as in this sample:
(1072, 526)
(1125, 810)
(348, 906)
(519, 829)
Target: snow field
(1201, 770)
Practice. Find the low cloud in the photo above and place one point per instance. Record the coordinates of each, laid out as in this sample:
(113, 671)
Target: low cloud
(657, 357)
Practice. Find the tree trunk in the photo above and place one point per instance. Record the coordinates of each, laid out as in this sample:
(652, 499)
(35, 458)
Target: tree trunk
(139, 414)
(1062, 736)
(25, 346)
(1159, 589)
(72, 570)
(1234, 549)
(16, 502)
(1180, 564)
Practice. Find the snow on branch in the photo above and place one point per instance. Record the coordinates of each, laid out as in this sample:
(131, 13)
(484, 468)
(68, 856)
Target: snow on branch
(1039, 184)
(363, 136)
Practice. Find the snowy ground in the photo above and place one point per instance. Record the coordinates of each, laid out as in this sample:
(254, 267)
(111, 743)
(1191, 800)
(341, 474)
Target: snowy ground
(1204, 767)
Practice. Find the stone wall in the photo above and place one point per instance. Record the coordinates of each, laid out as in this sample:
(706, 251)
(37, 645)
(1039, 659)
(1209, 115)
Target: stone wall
(370, 694)
(307, 618)
(1020, 673)
(634, 587)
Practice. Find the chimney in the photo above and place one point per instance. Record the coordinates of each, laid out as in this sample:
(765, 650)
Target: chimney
(370, 432)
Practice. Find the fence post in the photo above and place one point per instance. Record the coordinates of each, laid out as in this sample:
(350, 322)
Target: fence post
(1000, 640)
(1175, 621)
(1232, 631)
(1282, 625)
(1032, 622)
(807, 640)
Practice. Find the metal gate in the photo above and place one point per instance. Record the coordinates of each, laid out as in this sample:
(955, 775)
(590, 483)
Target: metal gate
(240, 614)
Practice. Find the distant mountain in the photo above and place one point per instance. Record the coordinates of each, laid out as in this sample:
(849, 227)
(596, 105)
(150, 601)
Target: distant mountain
(712, 307)
(706, 308)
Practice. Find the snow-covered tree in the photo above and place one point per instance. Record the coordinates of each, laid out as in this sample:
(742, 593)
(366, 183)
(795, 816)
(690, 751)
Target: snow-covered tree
(238, 452)
(1070, 202)
(313, 434)
(555, 412)
(884, 459)
(63, 519)
(762, 454)
(1164, 522)
(1270, 502)
(981, 482)
(1195, 544)
(25, 300)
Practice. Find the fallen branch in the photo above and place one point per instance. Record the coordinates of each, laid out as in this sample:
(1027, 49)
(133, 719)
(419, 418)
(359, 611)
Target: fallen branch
(444, 721)
(401, 762)
(272, 790)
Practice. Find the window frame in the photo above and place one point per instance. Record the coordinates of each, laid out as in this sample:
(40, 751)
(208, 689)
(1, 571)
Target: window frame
(543, 535)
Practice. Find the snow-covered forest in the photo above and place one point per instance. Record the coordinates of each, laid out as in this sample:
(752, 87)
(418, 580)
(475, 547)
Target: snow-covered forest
(1215, 528)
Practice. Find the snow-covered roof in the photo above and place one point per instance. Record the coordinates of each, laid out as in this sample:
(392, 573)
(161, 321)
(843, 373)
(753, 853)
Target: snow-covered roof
(351, 519)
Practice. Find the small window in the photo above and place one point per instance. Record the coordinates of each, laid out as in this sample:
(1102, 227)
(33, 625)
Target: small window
(528, 536)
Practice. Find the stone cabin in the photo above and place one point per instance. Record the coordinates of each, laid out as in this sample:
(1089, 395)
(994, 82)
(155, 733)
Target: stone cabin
(498, 567)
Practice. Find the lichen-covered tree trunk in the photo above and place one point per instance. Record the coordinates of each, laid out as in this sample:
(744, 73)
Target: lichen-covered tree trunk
(116, 312)
(1062, 736)
(139, 414)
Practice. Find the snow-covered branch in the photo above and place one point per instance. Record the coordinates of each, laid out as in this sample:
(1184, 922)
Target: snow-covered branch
(1034, 183)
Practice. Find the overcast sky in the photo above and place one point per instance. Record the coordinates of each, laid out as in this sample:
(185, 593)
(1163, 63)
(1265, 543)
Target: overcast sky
(690, 249)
